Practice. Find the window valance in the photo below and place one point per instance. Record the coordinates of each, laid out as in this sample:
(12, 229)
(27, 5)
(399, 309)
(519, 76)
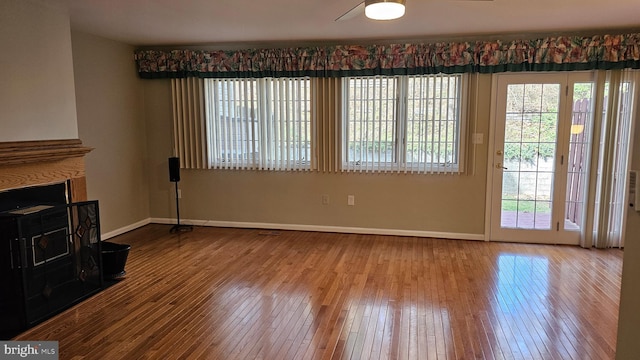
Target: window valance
(561, 53)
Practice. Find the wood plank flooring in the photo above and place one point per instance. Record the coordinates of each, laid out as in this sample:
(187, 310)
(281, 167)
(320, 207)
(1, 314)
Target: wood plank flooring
(218, 293)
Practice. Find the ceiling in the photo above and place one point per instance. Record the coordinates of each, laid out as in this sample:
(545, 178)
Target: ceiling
(235, 22)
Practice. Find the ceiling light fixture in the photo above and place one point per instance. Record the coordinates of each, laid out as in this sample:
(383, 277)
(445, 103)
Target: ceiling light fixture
(384, 9)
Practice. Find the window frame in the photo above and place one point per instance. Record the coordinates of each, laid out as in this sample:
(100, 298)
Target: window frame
(401, 124)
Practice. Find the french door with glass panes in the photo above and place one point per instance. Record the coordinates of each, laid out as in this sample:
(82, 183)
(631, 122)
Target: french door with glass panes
(540, 156)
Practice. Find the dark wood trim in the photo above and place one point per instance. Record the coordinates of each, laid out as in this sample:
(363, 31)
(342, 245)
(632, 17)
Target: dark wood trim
(26, 152)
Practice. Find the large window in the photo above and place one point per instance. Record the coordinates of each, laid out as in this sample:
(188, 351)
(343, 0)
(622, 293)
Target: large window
(403, 123)
(389, 123)
(259, 123)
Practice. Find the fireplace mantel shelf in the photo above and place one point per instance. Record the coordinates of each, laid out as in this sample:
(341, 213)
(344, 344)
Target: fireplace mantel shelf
(27, 152)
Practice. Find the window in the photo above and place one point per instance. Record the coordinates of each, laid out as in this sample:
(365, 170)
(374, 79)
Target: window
(259, 123)
(403, 123)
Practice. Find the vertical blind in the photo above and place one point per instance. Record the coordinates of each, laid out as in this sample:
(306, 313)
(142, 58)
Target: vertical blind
(189, 128)
(259, 123)
(326, 117)
(616, 102)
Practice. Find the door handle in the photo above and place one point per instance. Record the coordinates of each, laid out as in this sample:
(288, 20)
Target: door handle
(499, 166)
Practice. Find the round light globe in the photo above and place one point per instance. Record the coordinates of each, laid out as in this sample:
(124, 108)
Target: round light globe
(384, 10)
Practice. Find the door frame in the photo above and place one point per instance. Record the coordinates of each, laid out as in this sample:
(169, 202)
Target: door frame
(562, 143)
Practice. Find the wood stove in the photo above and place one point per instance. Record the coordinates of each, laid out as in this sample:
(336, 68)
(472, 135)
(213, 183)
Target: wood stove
(49, 260)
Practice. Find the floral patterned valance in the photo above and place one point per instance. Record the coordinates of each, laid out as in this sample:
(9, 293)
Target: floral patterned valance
(549, 54)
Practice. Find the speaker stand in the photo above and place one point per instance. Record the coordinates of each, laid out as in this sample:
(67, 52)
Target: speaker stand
(178, 228)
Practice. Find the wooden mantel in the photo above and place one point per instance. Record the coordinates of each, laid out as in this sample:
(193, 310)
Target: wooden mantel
(28, 163)
(24, 152)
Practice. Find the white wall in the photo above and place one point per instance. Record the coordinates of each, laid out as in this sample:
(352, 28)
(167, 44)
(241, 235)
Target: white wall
(429, 205)
(37, 95)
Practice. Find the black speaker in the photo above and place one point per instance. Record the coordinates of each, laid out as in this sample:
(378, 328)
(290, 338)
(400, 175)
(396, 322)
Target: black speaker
(174, 169)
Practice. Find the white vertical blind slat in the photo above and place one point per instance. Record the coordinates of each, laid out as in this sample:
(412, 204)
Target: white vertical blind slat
(446, 123)
(227, 123)
(241, 126)
(425, 112)
(286, 127)
(265, 121)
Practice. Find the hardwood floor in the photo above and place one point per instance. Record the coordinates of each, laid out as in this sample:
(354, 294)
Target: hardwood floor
(219, 293)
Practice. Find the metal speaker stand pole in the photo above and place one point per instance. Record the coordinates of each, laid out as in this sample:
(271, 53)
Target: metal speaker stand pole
(177, 228)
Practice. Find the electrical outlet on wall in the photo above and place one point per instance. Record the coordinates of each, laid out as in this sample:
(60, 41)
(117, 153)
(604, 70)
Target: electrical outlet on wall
(478, 138)
(351, 200)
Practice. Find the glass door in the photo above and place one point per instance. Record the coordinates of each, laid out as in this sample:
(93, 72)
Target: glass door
(540, 153)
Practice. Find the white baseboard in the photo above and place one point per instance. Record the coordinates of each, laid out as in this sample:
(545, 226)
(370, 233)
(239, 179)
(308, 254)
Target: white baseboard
(125, 229)
(322, 228)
